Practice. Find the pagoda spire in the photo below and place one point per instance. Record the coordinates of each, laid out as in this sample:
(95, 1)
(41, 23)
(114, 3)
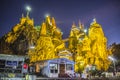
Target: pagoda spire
(81, 26)
(94, 21)
(73, 25)
(79, 23)
(71, 33)
(53, 23)
(22, 15)
(43, 29)
(48, 19)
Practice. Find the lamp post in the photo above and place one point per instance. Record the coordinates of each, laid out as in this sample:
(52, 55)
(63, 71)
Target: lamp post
(85, 30)
(113, 60)
(28, 8)
(47, 14)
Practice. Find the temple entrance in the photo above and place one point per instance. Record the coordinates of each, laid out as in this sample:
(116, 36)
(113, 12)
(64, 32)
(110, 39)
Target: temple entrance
(56, 67)
(62, 68)
(62, 71)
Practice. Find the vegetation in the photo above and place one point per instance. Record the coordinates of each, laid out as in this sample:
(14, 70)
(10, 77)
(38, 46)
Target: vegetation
(115, 50)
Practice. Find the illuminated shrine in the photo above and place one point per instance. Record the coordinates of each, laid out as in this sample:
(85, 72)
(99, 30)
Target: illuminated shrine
(45, 42)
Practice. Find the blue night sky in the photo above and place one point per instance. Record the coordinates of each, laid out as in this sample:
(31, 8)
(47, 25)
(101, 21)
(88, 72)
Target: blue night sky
(107, 13)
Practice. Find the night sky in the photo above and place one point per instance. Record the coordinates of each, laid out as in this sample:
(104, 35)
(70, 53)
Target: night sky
(107, 13)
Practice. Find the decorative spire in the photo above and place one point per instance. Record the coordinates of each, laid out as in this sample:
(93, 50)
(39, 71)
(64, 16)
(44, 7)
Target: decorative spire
(81, 26)
(94, 21)
(73, 25)
(71, 33)
(53, 22)
(43, 29)
(79, 23)
(22, 15)
(48, 19)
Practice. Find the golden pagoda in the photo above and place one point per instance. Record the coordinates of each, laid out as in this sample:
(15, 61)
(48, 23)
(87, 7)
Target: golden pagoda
(98, 46)
(89, 48)
(49, 42)
(84, 48)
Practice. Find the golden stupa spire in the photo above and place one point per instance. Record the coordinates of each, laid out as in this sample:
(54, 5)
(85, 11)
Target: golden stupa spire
(73, 25)
(43, 29)
(79, 23)
(81, 26)
(53, 23)
(48, 19)
(94, 21)
(71, 33)
(22, 15)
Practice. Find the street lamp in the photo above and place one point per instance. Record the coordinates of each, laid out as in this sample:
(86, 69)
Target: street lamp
(47, 15)
(28, 8)
(113, 60)
(85, 30)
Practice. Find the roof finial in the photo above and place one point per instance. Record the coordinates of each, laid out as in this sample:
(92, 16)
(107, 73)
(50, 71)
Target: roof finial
(22, 15)
(48, 19)
(94, 21)
(81, 26)
(43, 29)
(73, 25)
(79, 23)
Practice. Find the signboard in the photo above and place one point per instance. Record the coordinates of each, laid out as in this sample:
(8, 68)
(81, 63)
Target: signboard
(11, 63)
(25, 68)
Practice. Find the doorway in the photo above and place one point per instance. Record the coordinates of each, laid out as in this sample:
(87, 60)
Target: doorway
(62, 69)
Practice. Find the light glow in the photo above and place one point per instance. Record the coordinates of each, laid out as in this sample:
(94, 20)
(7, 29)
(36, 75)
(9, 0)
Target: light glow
(28, 8)
(85, 30)
(47, 15)
(111, 58)
(32, 47)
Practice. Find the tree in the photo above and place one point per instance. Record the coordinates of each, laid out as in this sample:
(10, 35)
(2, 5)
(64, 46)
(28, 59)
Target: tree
(115, 50)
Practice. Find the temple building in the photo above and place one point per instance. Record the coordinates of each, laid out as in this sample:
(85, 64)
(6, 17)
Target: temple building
(45, 42)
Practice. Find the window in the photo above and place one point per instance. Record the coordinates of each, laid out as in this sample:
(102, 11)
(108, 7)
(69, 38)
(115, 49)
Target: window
(53, 68)
(69, 67)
